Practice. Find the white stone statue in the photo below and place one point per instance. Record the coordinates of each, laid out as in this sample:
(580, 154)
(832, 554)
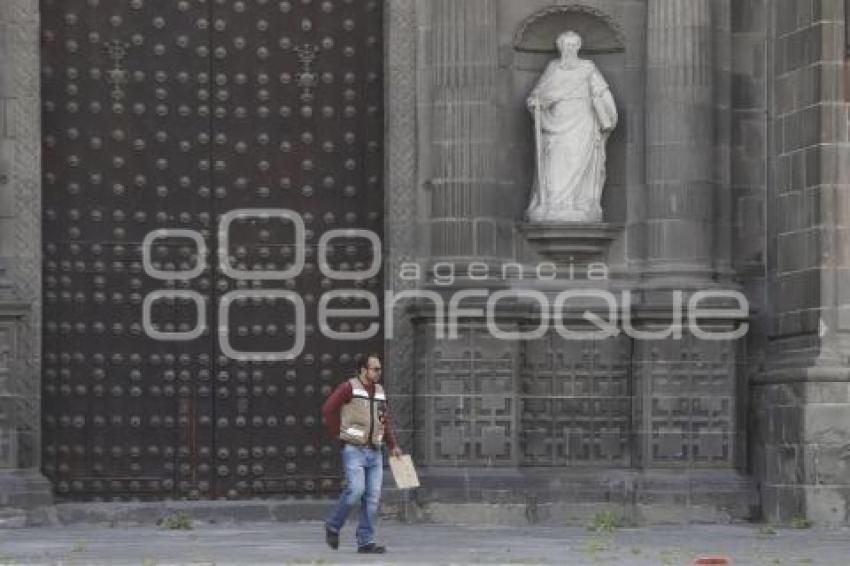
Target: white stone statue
(574, 113)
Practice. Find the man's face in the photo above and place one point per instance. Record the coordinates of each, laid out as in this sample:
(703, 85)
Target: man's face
(373, 370)
(570, 48)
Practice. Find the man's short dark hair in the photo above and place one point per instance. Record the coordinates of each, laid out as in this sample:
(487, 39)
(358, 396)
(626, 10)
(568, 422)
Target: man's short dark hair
(364, 361)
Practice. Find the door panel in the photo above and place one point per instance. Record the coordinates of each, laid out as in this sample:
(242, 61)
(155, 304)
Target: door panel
(169, 118)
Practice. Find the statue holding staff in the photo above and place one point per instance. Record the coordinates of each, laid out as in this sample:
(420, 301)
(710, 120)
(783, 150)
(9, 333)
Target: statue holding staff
(574, 114)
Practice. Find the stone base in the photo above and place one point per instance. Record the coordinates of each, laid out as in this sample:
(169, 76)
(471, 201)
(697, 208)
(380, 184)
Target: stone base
(557, 497)
(823, 505)
(150, 513)
(571, 242)
(801, 433)
(26, 499)
(395, 504)
(480, 497)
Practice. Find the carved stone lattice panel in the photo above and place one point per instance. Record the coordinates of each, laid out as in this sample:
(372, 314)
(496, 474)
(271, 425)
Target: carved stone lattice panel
(686, 393)
(169, 116)
(466, 403)
(576, 402)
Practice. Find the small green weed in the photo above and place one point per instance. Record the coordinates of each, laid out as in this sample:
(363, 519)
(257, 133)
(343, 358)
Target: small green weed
(607, 522)
(79, 546)
(671, 556)
(801, 523)
(766, 530)
(176, 522)
(596, 546)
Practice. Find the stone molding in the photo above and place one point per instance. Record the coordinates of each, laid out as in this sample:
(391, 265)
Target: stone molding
(521, 41)
(400, 141)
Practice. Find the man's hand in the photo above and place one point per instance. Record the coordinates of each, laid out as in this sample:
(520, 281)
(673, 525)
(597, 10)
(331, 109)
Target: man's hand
(395, 452)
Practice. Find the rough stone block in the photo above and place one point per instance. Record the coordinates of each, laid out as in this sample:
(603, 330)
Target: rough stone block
(748, 16)
(827, 424)
(797, 250)
(782, 464)
(789, 219)
(18, 10)
(29, 449)
(828, 464)
(828, 10)
(827, 505)
(798, 290)
(6, 86)
(832, 40)
(788, 423)
(24, 489)
(8, 446)
(828, 392)
(19, 65)
(783, 503)
(746, 93)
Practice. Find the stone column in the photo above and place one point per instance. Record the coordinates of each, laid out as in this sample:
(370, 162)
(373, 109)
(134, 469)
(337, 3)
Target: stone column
(25, 495)
(686, 414)
(680, 195)
(466, 387)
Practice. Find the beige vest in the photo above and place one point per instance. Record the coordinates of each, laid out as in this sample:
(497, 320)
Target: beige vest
(363, 416)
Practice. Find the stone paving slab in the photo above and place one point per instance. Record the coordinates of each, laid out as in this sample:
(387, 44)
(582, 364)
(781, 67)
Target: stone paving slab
(303, 543)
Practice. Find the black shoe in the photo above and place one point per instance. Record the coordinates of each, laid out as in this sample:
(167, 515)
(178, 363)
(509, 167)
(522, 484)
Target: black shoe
(332, 538)
(371, 548)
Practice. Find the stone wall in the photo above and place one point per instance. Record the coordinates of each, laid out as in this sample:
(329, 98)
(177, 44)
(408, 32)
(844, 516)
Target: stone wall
(802, 399)
(21, 484)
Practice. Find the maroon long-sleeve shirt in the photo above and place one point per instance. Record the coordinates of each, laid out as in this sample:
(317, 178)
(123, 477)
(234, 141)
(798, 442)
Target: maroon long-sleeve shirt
(342, 395)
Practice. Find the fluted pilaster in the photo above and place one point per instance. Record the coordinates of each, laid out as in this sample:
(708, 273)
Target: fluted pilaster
(465, 126)
(680, 138)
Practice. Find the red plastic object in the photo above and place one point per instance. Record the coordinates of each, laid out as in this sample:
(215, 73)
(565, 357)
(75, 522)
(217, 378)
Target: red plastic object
(707, 560)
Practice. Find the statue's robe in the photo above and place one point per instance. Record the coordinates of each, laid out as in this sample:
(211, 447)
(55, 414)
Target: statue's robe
(577, 113)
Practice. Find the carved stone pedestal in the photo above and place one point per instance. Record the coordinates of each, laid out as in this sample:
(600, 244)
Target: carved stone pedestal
(574, 242)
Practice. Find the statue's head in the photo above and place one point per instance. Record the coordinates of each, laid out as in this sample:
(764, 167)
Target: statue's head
(569, 43)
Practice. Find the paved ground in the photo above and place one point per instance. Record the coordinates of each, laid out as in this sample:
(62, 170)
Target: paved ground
(303, 543)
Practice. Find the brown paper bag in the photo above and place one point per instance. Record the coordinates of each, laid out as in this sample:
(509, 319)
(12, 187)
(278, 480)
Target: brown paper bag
(403, 472)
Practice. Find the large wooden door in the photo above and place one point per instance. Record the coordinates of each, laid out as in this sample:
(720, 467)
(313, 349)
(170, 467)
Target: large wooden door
(172, 115)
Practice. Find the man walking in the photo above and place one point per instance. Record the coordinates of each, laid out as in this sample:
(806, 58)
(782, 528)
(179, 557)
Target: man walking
(356, 413)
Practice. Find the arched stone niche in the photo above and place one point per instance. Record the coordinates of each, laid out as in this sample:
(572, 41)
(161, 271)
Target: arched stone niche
(599, 32)
(532, 46)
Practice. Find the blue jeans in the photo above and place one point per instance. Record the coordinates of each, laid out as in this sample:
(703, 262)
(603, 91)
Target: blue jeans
(364, 474)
